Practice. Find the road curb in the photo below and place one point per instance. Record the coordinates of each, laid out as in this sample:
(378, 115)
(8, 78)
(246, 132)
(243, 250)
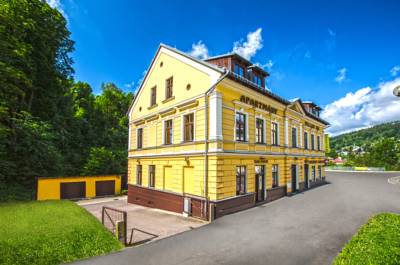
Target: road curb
(354, 171)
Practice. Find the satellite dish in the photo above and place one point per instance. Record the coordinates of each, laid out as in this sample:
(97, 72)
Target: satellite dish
(396, 91)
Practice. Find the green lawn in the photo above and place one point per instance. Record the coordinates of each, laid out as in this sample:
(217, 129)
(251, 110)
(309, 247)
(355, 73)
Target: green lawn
(50, 232)
(377, 242)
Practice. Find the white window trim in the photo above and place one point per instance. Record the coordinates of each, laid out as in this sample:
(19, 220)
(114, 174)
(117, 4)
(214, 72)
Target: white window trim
(301, 136)
(247, 126)
(319, 148)
(137, 138)
(183, 126)
(297, 137)
(306, 143)
(278, 132)
(163, 130)
(255, 129)
(311, 142)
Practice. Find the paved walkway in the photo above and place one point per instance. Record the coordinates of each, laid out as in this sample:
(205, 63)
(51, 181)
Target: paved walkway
(309, 228)
(149, 220)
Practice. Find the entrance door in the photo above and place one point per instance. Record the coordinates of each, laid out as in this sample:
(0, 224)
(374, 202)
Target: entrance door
(294, 176)
(306, 176)
(73, 190)
(260, 183)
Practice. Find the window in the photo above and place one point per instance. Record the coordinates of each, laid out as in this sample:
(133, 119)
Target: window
(152, 176)
(238, 70)
(312, 142)
(257, 79)
(168, 87)
(240, 127)
(259, 130)
(139, 175)
(168, 132)
(318, 143)
(274, 133)
(139, 138)
(188, 129)
(153, 98)
(305, 140)
(313, 173)
(275, 176)
(240, 180)
(320, 172)
(294, 137)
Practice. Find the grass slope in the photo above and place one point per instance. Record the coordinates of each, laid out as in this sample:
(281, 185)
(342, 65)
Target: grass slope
(50, 232)
(377, 242)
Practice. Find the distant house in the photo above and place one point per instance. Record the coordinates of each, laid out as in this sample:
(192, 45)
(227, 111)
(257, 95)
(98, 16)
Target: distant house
(339, 161)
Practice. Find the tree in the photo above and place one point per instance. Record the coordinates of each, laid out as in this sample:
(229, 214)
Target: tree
(49, 124)
(102, 161)
(385, 153)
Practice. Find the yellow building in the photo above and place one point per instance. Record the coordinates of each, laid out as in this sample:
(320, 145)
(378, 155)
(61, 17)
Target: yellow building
(77, 187)
(206, 138)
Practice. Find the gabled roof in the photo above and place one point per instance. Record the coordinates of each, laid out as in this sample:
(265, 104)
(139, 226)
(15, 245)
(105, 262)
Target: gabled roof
(309, 114)
(206, 64)
(229, 74)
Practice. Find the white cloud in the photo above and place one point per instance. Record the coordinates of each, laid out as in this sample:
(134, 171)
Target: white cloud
(395, 70)
(331, 41)
(130, 85)
(57, 5)
(307, 55)
(341, 75)
(199, 50)
(249, 48)
(267, 65)
(363, 108)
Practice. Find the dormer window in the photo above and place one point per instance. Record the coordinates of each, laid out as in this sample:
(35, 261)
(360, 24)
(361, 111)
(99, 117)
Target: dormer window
(238, 70)
(257, 80)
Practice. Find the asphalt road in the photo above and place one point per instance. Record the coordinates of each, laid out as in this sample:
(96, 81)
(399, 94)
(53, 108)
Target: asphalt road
(308, 228)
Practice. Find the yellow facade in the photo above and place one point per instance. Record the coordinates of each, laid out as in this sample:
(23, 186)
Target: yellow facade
(213, 155)
(49, 188)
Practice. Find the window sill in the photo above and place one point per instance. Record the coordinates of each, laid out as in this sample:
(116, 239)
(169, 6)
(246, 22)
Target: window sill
(242, 142)
(168, 99)
(152, 106)
(187, 142)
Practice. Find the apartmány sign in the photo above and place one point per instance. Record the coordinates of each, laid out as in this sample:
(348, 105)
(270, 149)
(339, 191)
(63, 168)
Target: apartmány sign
(257, 104)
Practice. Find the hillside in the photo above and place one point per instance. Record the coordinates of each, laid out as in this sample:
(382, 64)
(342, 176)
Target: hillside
(365, 136)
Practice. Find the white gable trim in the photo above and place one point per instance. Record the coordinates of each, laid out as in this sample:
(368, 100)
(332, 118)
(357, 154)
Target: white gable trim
(212, 73)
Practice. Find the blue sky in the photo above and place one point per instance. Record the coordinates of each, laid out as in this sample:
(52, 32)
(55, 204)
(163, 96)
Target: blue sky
(324, 51)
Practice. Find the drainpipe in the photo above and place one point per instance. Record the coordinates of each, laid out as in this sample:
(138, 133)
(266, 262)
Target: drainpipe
(206, 140)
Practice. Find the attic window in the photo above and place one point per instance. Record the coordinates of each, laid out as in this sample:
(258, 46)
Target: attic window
(161, 64)
(140, 108)
(188, 86)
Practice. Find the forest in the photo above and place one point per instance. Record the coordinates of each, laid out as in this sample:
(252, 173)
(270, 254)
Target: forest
(377, 146)
(52, 124)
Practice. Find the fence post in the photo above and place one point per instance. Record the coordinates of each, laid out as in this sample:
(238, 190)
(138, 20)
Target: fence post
(125, 224)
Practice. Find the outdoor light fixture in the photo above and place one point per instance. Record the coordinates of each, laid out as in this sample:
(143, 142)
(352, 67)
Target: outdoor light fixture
(396, 91)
